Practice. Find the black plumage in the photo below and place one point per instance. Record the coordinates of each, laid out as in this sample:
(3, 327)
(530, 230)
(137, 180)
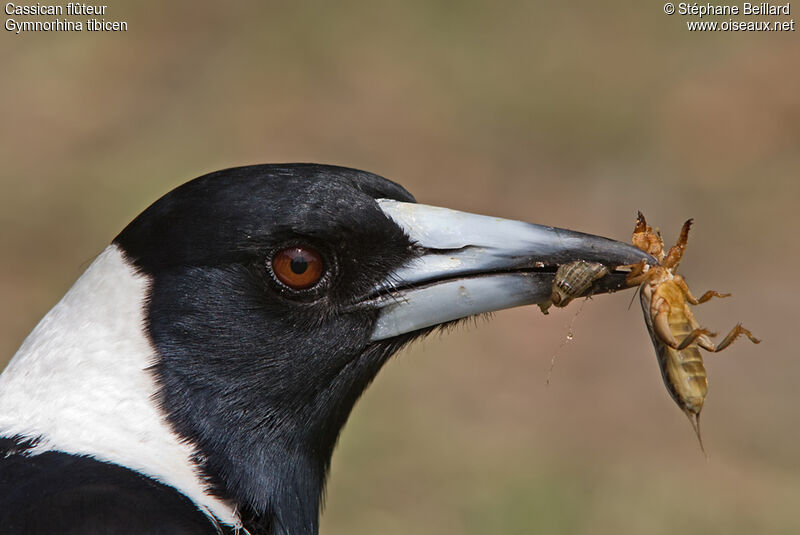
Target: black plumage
(58, 493)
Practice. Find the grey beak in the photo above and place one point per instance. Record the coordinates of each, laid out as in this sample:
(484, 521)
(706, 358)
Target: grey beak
(473, 264)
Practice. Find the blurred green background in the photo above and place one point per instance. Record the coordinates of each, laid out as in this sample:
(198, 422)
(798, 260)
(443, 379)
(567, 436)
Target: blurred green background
(569, 114)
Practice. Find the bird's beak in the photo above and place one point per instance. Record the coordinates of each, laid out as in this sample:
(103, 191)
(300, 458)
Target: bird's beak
(472, 264)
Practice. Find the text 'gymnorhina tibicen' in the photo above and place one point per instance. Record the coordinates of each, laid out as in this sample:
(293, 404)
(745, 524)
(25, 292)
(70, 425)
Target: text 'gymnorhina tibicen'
(194, 380)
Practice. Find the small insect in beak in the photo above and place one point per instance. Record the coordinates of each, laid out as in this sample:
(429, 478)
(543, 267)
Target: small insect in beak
(676, 335)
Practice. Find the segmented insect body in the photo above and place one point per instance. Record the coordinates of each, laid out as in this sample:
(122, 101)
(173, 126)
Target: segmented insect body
(573, 280)
(676, 335)
(682, 371)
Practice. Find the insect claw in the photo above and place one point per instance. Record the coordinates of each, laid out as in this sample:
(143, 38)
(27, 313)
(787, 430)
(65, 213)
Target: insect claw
(641, 224)
(648, 241)
(675, 252)
(684, 237)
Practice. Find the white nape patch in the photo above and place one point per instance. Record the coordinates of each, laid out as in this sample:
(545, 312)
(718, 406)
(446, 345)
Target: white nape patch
(80, 382)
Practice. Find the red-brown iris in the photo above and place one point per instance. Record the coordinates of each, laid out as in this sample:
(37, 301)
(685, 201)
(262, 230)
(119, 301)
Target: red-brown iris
(298, 267)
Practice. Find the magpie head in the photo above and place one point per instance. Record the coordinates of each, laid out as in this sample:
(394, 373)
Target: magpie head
(256, 274)
(277, 292)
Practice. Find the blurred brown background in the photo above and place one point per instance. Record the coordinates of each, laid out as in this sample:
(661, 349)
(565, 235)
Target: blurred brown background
(572, 114)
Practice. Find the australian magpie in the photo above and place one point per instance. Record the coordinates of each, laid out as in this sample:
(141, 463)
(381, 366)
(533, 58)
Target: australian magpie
(195, 378)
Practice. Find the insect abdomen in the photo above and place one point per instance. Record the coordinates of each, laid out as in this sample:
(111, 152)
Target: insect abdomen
(684, 376)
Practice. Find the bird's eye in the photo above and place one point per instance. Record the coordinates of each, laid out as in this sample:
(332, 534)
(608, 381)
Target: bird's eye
(298, 267)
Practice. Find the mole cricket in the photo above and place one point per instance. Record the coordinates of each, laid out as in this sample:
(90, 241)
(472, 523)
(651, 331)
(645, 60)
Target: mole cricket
(676, 334)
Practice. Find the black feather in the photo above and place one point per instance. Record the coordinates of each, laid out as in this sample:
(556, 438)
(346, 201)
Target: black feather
(55, 492)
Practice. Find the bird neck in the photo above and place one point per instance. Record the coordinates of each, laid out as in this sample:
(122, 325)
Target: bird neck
(80, 383)
(264, 441)
(273, 459)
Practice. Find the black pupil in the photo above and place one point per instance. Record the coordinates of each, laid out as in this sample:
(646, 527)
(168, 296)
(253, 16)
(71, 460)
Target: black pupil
(299, 265)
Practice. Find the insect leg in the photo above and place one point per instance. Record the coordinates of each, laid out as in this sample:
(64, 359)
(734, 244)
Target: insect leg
(645, 239)
(637, 275)
(731, 336)
(696, 335)
(692, 299)
(706, 343)
(676, 251)
(705, 297)
(661, 326)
